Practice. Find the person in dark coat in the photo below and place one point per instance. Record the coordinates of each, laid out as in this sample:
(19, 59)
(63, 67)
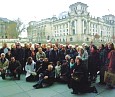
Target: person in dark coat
(46, 78)
(15, 68)
(70, 51)
(93, 63)
(20, 54)
(39, 64)
(13, 50)
(27, 52)
(104, 61)
(47, 52)
(62, 53)
(9, 55)
(79, 81)
(54, 56)
(32, 53)
(45, 64)
(65, 72)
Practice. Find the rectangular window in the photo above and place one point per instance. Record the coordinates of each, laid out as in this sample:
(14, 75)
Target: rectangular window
(73, 24)
(101, 33)
(67, 30)
(54, 28)
(71, 39)
(93, 30)
(60, 26)
(73, 31)
(93, 25)
(66, 25)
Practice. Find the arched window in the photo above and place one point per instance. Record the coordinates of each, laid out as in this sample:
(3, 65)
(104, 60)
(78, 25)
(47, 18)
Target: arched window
(73, 24)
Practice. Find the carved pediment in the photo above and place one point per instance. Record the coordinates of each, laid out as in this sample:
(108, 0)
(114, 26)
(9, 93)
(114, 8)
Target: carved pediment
(72, 14)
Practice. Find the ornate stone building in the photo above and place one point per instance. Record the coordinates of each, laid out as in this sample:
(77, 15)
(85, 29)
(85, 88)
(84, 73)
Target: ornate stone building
(76, 25)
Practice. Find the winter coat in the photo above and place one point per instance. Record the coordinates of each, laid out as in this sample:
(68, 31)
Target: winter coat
(30, 68)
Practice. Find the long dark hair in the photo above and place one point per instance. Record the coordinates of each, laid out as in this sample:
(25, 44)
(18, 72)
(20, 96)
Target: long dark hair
(29, 60)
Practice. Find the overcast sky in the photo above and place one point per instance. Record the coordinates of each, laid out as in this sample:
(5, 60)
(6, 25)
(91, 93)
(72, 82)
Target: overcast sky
(29, 10)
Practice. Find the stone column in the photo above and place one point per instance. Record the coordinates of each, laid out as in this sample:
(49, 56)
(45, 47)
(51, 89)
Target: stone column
(88, 27)
(75, 26)
(79, 28)
(69, 27)
(82, 27)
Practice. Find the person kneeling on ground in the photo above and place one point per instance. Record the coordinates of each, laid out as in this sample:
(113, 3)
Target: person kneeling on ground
(15, 68)
(30, 70)
(79, 80)
(3, 65)
(46, 78)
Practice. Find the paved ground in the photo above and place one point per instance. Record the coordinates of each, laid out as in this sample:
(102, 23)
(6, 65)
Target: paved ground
(21, 88)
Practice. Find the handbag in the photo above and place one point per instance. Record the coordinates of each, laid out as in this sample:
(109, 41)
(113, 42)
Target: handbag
(77, 76)
(109, 78)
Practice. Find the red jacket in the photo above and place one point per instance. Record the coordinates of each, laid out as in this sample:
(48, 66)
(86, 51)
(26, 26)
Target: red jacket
(111, 57)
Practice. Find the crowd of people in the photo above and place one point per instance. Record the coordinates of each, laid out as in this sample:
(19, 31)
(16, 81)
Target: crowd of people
(74, 65)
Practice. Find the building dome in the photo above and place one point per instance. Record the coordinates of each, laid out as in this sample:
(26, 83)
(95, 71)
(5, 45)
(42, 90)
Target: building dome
(63, 15)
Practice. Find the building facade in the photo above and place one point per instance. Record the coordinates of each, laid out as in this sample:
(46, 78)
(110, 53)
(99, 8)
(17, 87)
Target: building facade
(39, 31)
(3, 27)
(8, 29)
(75, 25)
